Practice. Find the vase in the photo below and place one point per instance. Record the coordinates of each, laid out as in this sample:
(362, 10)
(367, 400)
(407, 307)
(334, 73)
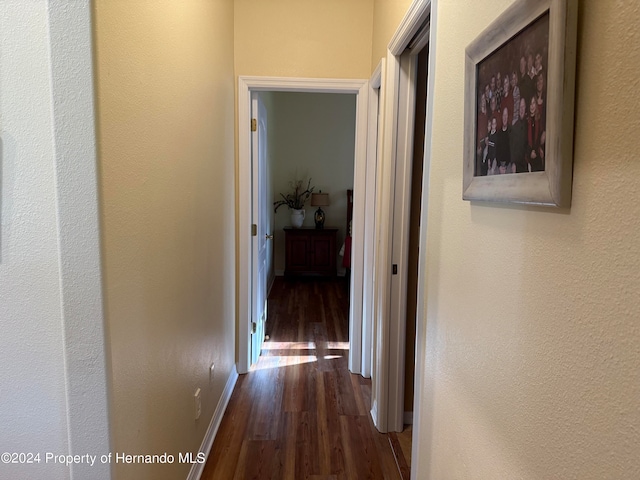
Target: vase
(297, 217)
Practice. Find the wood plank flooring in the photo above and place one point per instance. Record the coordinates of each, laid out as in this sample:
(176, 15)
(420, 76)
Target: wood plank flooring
(401, 448)
(300, 414)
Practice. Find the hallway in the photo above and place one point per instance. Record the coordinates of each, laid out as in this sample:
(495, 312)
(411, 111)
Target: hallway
(300, 413)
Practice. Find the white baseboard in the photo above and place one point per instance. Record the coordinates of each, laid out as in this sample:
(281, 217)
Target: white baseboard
(209, 437)
(374, 413)
(408, 418)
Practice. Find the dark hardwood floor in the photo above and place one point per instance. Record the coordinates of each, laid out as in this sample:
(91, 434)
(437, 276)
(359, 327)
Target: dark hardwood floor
(401, 448)
(300, 414)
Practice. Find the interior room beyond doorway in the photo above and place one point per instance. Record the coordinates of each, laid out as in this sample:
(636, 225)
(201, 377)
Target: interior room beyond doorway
(311, 136)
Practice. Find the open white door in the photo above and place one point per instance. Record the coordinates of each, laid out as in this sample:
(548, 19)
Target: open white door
(259, 217)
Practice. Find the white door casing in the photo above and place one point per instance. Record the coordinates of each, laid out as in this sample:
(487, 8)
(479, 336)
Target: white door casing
(374, 141)
(383, 237)
(421, 317)
(247, 86)
(392, 219)
(400, 239)
(420, 12)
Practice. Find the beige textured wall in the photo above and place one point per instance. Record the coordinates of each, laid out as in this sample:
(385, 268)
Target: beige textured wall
(294, 38)
(165, 91)
(532, 315)
(387, 15)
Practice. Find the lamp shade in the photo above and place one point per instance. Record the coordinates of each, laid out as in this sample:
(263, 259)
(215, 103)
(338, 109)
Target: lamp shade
(319, 199)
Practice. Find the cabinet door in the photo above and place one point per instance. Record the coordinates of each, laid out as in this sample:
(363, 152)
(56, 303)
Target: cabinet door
(297, 251)
(321, 246)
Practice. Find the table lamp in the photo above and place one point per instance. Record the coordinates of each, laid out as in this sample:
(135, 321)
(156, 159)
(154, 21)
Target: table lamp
(319, 200)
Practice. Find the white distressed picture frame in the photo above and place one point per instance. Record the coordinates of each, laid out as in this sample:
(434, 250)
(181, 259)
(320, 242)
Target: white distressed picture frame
(551, 187)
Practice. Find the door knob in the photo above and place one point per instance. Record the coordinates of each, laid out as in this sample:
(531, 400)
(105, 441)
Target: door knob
(268, 237)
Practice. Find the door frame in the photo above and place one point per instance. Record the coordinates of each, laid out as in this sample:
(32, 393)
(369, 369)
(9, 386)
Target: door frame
(391, 295)
(247, 85)
(374, 152)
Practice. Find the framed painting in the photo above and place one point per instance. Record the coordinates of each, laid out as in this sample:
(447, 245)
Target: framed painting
(519, 103)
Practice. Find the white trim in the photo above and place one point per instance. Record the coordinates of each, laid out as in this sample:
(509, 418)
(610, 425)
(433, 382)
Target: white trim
(374, 412)
(418, 12)
(357, 231)
(400, 238)
(312, 85)
(246, 85)
(421, 316)
(420, 40)
(244, 227)
(384, 199)
(373, 149)
(207, 442)
(375, 82)
(388, 364)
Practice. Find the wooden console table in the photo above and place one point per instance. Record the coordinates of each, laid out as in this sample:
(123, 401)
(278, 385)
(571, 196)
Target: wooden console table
(310, 251)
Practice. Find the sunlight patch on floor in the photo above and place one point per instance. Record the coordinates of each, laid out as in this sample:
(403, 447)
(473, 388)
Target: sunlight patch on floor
(285, 354)
(289, 345)
(338, 345)
(267, 362)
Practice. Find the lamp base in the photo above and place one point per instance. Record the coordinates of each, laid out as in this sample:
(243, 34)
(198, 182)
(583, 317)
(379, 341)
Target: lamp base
(319, 218)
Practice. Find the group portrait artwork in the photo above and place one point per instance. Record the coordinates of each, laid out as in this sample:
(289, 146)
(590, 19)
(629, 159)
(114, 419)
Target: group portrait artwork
(512, 104)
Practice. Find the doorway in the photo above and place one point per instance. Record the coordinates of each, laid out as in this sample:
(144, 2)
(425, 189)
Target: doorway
(415, 33)
(307, 152)
(247, 86)
(402, 441)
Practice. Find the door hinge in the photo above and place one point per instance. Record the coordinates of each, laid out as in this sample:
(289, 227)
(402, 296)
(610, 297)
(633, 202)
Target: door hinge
(254, 125)
(254, 230)
(254, 327)
(395, 269)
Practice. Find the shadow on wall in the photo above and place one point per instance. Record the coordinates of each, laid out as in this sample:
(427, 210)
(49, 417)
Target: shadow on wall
(1, 199)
